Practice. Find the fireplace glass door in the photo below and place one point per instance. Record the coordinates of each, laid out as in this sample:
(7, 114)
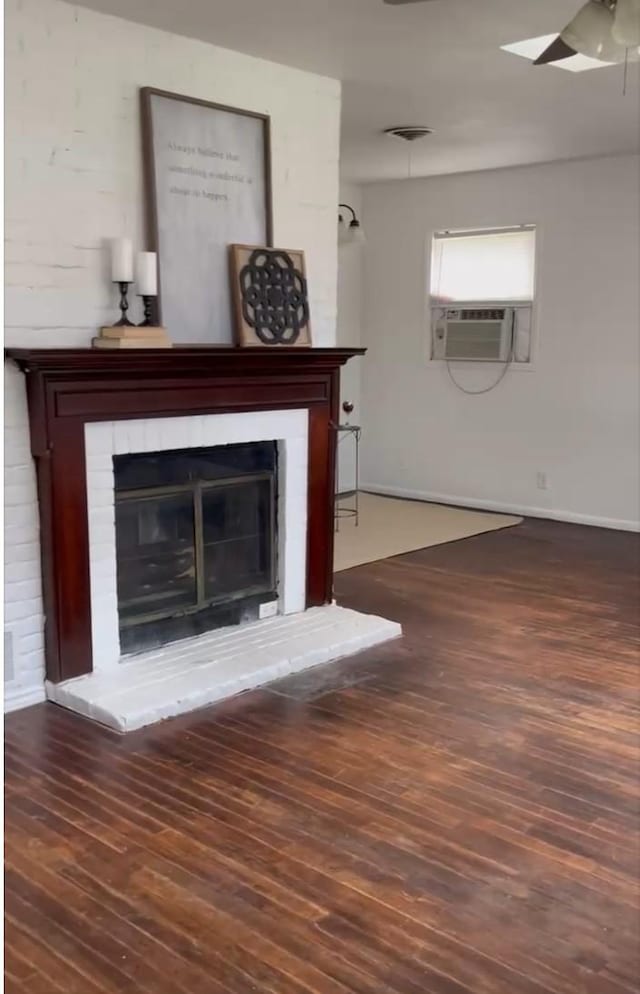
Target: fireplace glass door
(197, 552)
(156, 568)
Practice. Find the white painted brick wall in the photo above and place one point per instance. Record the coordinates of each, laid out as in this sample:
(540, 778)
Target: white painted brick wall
(73, 180)
(22, 591)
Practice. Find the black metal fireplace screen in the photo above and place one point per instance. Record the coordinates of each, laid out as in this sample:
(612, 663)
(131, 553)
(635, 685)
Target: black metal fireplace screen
(195, 540)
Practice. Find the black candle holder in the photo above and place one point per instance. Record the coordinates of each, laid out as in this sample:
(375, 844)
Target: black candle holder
(147, 304)
(124, 321)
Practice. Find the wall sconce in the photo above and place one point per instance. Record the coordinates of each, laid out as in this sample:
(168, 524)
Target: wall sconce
(350, 232)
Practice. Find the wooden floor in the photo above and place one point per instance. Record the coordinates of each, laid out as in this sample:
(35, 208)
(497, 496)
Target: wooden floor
(450, 814)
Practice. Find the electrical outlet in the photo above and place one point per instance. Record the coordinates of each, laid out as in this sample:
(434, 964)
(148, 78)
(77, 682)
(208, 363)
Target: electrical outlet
(542, 481)
(9, 669)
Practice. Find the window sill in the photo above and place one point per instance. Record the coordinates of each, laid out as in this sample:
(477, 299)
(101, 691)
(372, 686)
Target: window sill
(520, 367)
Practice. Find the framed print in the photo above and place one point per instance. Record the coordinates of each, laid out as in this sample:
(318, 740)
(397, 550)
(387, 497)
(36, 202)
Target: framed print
(208, 184)
(270, 296)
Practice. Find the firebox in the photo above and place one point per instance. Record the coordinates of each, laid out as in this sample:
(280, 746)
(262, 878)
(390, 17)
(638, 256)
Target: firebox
(195, 540)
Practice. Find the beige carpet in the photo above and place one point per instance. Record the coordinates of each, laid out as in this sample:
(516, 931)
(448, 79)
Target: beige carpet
(390, 527)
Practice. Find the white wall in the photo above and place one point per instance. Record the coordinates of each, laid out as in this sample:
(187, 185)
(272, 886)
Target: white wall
(350, 306)
(74, 180)
(575, 416)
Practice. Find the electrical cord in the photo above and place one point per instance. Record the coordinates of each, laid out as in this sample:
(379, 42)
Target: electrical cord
(503, 373)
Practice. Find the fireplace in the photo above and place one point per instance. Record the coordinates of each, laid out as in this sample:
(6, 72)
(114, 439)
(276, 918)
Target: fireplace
(96, 416)
(181, 491)
(196, 543)
(196, 523)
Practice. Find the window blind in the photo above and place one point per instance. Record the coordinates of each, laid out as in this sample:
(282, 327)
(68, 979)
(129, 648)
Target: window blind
(484, 265)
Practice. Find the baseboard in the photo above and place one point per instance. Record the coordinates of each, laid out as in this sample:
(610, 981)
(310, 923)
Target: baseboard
(524, 510)
(23, 697)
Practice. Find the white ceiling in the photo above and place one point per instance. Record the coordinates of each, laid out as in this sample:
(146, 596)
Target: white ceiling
(436, 63)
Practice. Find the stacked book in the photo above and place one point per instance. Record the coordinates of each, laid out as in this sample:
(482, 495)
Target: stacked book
(132, 337)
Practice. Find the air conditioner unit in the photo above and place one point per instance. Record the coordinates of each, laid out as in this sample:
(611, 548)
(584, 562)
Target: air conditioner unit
(473, 334)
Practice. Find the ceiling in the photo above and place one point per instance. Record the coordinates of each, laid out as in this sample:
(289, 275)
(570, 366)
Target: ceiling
(437, 64)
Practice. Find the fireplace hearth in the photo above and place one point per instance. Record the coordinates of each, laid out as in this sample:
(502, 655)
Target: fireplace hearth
(196, 543)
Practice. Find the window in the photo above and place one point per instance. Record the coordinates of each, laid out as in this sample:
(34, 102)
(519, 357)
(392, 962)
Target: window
(477, 266)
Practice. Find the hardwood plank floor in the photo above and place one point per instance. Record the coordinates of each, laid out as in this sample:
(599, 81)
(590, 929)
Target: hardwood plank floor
(455, 813)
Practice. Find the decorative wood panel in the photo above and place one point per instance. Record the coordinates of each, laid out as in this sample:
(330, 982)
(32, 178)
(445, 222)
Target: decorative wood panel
(69, 387)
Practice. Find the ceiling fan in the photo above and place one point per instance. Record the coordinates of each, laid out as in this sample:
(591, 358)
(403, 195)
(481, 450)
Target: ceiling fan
(608, 30)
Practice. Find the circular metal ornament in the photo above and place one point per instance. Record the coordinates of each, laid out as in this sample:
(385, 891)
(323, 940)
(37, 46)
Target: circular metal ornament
(274, 297)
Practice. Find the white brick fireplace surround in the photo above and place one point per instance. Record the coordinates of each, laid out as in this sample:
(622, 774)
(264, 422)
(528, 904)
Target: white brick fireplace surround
(106, 439)
(129, 692)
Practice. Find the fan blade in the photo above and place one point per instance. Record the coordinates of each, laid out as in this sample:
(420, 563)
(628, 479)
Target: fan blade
(557, 50)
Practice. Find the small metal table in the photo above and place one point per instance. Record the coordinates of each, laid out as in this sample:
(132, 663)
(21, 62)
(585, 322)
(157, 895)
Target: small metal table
(348, 434)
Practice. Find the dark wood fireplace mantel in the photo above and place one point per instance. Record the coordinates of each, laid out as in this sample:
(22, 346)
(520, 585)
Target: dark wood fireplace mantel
(67, 388)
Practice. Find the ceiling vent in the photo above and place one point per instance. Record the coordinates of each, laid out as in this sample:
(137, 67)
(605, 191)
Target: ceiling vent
(410, 132)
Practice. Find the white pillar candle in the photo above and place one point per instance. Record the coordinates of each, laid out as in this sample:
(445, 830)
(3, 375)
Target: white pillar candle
(122, 260)
(147, 274)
